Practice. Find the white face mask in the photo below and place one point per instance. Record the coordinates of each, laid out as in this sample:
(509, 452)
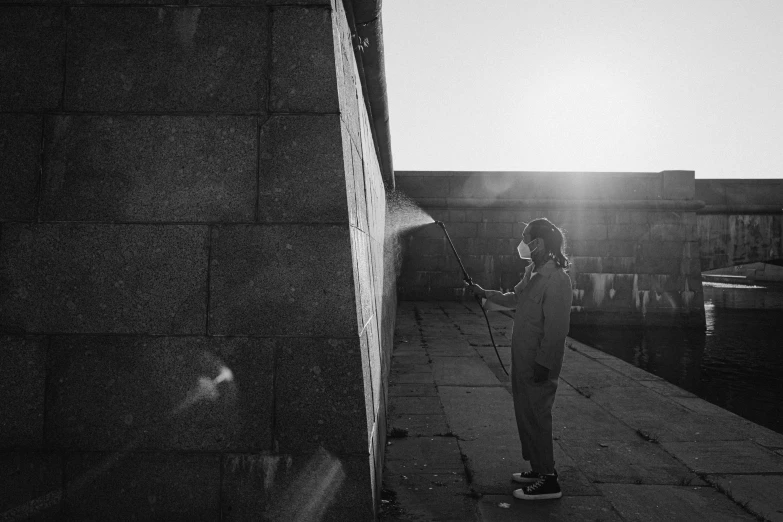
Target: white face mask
(524, 250)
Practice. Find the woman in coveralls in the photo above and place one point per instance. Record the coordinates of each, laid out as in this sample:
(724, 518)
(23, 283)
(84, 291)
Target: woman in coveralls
(543, 312)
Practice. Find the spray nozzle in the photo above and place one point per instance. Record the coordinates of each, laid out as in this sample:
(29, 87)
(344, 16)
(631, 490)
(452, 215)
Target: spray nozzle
(440, 224)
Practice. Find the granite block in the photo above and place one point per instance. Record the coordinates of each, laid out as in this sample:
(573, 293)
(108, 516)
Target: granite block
(142, 486)
(303, 173)
(353, 168)
(86, 278)
(30, 485)
(33, 44)
(365, 298)
(653, 503)
(150, 168)
(348, 83)
(493, 230)
(628, 232)
(282, 280)
(167, 59)
(316, 486)
(22, 372)
(363, 186)
(319, 396)
(160, 393)
(367, 380)
(304, 72)
(20, 144)
(679, 184)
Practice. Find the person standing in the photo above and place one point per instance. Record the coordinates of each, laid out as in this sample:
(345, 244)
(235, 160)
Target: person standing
(542, 300)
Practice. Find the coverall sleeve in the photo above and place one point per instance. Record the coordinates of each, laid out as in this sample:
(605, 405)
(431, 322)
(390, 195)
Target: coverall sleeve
(556, 307)
(497, 300)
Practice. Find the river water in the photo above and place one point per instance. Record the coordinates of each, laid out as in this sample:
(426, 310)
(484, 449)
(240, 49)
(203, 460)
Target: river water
(735, 363)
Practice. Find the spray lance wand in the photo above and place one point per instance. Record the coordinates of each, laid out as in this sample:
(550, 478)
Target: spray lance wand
(469, 281)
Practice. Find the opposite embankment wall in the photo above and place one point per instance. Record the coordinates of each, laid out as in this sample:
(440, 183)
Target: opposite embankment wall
(631, 238)
(193, 322)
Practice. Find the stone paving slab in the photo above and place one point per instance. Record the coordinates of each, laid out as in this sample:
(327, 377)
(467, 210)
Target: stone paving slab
(450, 348)
(624, 462)
(412, 390)
(462, 371)
(726, 457)
(424, 455)
(411, 377)
(419, 425)
(432, 497)
(575, 417)
(416, 405)
(761, 493)
(566, 509)
(641, 503)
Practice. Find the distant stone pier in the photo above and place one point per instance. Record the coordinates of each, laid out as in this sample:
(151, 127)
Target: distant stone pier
(631, 237)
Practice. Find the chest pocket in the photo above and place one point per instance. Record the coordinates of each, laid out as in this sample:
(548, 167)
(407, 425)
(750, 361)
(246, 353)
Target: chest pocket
(532, 311)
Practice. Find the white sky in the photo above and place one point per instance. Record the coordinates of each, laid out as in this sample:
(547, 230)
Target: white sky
(586, 85)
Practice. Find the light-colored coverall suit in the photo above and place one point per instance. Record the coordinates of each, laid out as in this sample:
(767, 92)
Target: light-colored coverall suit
(543, 313)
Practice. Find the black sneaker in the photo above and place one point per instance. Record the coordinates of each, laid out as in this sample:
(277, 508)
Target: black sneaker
(526, 477)
(547, 487)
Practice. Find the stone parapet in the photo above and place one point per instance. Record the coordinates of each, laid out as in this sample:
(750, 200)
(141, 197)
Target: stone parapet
(631, 237)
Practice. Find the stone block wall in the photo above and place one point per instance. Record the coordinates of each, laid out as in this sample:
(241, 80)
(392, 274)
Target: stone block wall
(631, 238)
(741, 222)
(195, 320)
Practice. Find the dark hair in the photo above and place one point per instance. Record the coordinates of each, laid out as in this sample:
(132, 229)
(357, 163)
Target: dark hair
(554, 239)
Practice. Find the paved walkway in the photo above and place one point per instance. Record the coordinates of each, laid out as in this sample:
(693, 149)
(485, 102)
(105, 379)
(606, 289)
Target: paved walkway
(629, 446)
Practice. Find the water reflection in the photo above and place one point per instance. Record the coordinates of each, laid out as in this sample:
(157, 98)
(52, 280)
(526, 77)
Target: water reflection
(735, 362)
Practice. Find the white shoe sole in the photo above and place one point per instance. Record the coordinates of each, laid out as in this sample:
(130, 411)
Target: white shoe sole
(548, 496)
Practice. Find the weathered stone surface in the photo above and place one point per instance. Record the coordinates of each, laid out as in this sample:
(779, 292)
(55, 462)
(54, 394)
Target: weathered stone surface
(30, 485)
(759, 494)
(84, 278)
(644, 503)
(20, 144)
(318, 486)
(303, 177)
(33, 43)
(626, 462)
(362, 275)
(725, 457)
(575, 417)
(435, 496)
(172, 393)
(349, 87)
(167, 59)
(142, 486)
(424, 455)
(418, 425)
(320, 398)
(462, 371)
(22, 374)
(412, 390)
(264, 280)
(150, 168)
(679, 184)
(566, 509)
(304, 73)
(416, 406)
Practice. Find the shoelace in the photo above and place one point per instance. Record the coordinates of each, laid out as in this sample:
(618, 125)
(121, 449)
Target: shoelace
(536, 485)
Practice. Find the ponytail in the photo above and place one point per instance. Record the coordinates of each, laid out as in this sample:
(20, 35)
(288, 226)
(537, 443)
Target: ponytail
(554, 240)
